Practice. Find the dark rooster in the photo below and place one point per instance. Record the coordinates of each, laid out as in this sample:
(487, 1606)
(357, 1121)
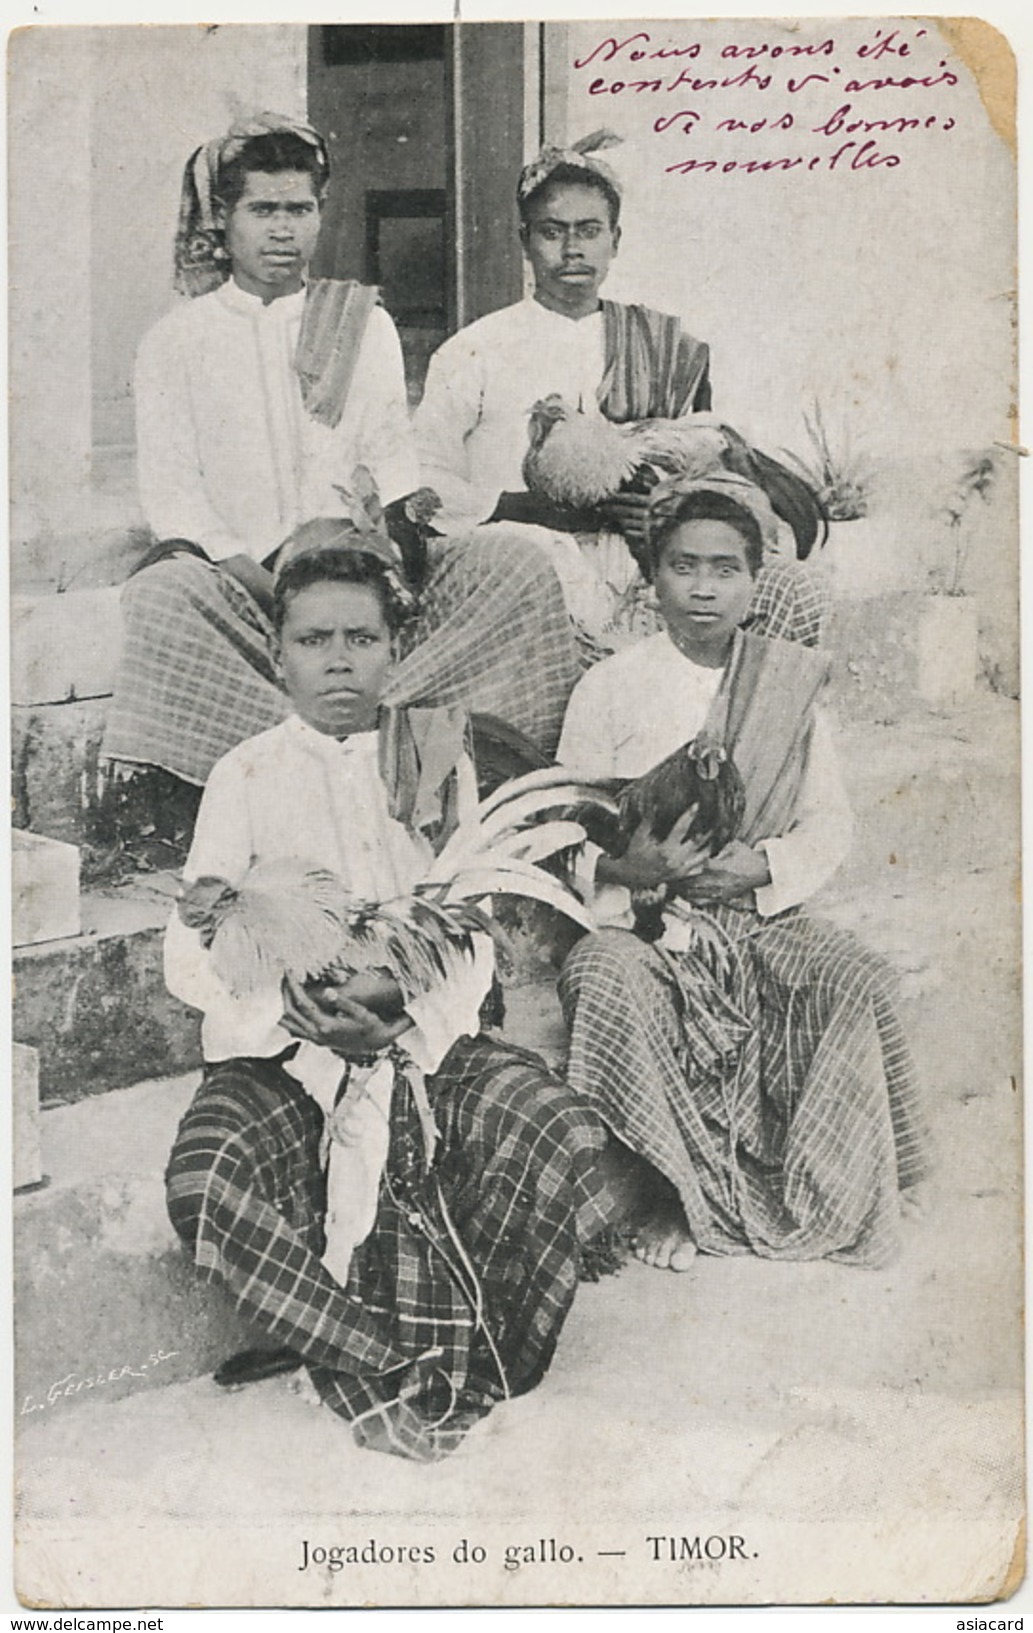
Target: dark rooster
(699, 774)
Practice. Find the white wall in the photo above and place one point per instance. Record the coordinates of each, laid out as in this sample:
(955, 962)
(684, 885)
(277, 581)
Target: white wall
(101, 123)
(49, 229)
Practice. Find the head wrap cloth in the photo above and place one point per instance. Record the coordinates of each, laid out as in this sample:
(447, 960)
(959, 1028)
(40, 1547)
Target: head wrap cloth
(666, 498)
(336, 309)
(201, 263)
(361, 531)
(580, 154)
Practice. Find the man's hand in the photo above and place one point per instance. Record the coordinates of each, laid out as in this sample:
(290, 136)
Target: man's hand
(336, 1021)
(648, 862)
(733, 872)
(256, 579)
(628, 513)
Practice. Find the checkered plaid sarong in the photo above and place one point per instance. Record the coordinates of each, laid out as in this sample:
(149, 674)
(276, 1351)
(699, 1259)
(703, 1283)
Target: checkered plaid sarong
(457, 1297)
(777, 1095)
(494, 636)
(790, 603)
(196, 676)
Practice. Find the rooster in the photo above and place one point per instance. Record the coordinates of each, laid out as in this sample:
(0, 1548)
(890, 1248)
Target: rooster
(581, 460)
(699, 775)
(287, 920)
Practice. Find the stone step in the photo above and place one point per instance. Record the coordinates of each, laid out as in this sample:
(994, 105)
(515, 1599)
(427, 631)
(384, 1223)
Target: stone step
(901, 650)
(97, 1240)
(57, 787)
(44, 889)
(95, 1006)
(59, 565)
(65, 647)
(26, 1160)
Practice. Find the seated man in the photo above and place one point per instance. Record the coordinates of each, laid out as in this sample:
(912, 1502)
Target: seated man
(256, 399)
(422, 1295)
(612, 362)
(752, 1056)
(243, 432)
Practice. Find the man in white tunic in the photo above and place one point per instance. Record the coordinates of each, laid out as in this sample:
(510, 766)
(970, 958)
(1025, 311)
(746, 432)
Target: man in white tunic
(609, 360)
(228, 456)
(752, 1056)
(422, 1280)
(600, 357)
(472, 425)
(256, 399)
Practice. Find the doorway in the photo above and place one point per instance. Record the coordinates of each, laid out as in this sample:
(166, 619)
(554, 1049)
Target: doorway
(425, 124)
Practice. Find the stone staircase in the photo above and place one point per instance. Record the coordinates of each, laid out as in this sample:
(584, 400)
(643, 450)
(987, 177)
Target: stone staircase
(94, 1004)
(931, 882)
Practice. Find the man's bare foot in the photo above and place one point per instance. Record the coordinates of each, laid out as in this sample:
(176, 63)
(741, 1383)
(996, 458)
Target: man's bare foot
(664, 1244)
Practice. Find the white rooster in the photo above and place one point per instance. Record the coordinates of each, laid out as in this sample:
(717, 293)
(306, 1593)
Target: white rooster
(582, 460)
(287, 919)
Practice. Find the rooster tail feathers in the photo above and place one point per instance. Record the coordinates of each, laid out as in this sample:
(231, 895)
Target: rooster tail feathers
(793, 499)
(543, 840)
(549, 777)
(795, 502)
(522, 879)
(513, 808)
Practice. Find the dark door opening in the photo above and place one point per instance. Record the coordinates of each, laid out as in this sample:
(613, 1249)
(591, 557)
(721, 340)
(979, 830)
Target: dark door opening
(378, 93)
(425, 126)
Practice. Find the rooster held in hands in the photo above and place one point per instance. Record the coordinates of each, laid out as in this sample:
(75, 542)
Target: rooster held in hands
(583, 460)
(698, 776)
(289, 921)
(574, 458)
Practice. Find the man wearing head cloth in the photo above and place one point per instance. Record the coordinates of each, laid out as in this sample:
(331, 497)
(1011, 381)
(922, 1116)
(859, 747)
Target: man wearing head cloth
(750, 1056)
(622, 362)
(400, 1199)
(256, 398)
(608, 361)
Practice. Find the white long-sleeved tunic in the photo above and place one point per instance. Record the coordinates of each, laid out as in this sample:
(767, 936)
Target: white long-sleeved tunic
(227, 455)
(471, 427)
(294, 793)
(634, 709)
